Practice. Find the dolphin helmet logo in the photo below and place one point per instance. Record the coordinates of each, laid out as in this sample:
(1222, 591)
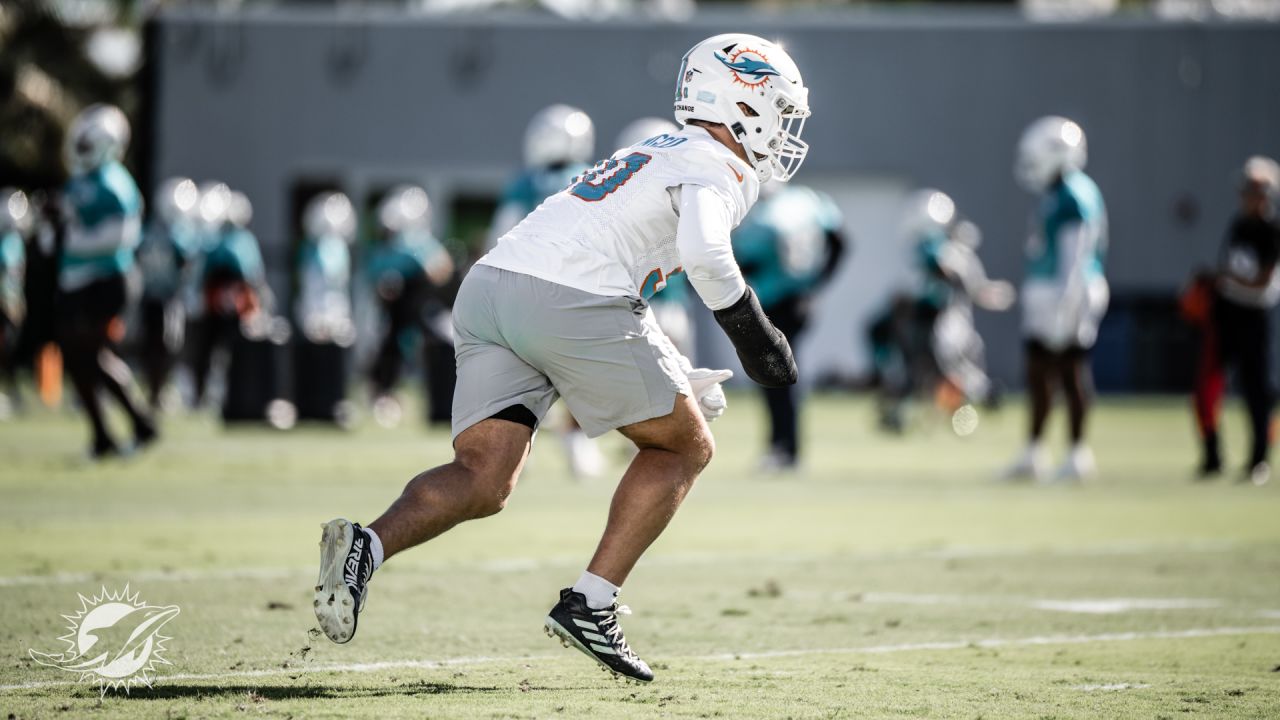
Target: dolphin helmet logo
(748, 66)
(113, 640)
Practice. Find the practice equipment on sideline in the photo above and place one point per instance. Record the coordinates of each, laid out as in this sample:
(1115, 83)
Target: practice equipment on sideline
(762, 349)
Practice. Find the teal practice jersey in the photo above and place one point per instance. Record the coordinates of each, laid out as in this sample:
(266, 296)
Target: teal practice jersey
(326, 257)
(407, 254)
(165, 251)
(935, 289)
(782, 243)
(1075, 199)
(104, 225)
(233, 255)
(13, 258)
(531, 187)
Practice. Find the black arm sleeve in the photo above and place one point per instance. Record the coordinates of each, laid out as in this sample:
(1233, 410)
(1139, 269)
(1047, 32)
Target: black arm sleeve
(762, 349)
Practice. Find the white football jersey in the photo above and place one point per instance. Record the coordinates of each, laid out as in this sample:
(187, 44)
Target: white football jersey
(613, 230)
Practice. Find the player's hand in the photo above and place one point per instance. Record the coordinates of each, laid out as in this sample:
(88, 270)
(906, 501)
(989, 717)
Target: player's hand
(705, 384)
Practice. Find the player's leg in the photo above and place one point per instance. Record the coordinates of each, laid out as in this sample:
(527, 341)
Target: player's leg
(790, 317)
(1210, 385)
(1041, 378)
(499, 402)
(673, 450)
(1077, 386)
(116, 378)
(1255, 384)
(82, 334)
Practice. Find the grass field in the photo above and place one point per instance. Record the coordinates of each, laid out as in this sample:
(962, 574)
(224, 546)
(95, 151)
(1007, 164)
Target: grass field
(892, 578)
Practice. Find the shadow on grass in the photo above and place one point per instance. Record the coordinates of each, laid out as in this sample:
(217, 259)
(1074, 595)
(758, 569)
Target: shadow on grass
(261, 692)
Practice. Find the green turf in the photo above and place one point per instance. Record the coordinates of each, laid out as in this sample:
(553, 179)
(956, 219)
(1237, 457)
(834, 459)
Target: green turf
(892, 578)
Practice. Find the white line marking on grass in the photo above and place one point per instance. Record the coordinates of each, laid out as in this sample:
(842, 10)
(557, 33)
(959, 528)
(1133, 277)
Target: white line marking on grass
(871, 649)
(1004, 642)
(1107, 606)
(1112, 687)
(516, 564)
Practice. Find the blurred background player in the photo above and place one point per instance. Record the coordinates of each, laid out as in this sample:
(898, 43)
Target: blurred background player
(1237, 328)
(958, 350)
(104, 225)
(322, 307)
(559, 144)
(230, 282)
(412, 275)
(1065, 292)
(671, 306)
(15, 223)
(901, 336)
(788, 246)
(167, 246)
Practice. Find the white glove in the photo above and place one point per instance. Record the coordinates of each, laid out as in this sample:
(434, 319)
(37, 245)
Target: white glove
(706, 388)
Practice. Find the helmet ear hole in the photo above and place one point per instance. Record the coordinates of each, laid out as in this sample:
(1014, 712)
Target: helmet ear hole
(747, 110)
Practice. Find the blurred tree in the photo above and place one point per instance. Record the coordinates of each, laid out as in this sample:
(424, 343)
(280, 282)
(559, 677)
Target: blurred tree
(46, 77)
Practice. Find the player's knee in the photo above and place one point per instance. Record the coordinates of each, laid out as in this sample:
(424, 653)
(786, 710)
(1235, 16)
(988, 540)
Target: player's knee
(700, 448)
(491, 481)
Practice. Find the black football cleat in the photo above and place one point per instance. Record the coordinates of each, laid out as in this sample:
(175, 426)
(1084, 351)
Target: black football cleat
(597, 634)
(346, 562)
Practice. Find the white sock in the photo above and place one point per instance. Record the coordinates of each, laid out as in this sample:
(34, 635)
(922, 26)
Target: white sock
(375, 547)
(600, 592)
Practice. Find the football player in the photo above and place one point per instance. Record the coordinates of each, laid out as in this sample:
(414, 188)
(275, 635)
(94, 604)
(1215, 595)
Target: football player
(1244, 290)
(559, 309)
(1065, 293)
(103, 211)
(15, 223)
(167, 246)
(231, 278)
(407, 266)
(788, 247)
(558, 144)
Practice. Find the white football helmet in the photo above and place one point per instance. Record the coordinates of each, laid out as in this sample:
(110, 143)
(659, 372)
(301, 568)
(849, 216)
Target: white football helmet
(215, 205)
(239, 210)
(406, 207)
(98, 135)
(559, 135)
(1050, 147)
(330, 213)
(1264, 171)
(176, 200)
(926, 211)
(637, 131)
(753, 87)
(15, 211)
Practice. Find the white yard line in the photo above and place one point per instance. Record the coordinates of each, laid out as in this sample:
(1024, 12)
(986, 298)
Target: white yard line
(870, 649)
(515, 565)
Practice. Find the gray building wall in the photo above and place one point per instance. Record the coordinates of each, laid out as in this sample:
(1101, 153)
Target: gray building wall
(261, 98)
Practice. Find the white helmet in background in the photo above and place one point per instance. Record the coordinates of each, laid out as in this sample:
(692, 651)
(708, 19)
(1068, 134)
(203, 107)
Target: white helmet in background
(1265, 172)
(215, 204)
(927, 211)
(239, 210)
(98, 135)
(753, 87)
(637, 131)
(330, 213)
(15, 211)
(406, 207)
(176, 200)
(559, 135)
(1050, 147)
